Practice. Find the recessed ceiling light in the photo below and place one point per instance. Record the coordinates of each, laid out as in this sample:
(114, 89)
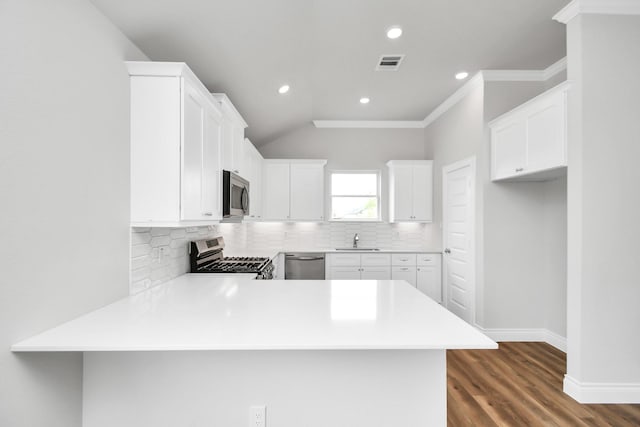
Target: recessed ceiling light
(394, 32)
(283, 89)
(462, 75)
(364, 100)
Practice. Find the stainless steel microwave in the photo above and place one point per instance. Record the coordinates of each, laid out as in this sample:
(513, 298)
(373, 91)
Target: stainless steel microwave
(235, 195)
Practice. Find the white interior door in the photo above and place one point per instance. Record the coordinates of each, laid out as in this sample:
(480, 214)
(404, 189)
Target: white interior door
(458, 221)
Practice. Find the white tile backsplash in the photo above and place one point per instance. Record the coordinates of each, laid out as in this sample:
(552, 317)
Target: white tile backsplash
(161, 254)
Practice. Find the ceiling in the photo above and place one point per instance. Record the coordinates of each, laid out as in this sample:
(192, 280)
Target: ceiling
(326, 50)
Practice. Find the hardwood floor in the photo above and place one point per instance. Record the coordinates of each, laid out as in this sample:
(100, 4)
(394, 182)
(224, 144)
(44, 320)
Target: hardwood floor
(521, 385)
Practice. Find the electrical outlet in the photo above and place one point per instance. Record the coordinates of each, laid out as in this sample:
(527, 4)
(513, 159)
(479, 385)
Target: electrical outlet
(258, 416)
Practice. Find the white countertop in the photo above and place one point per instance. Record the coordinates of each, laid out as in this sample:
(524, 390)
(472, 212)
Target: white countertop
(199, 312)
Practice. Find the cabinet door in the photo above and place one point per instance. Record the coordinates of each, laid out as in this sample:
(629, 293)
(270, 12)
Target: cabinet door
(226, 144)
(275, 204)
(546, 131)
(376, 273)
(509, 150)
(423, 192)
(404, 273)
(342, 260)
(375, 259)
(254, 175)
(402, 193)
(344, 273)
(307, 192)
(192, 154)
(211, 173)
(238, 149)
(429, 281)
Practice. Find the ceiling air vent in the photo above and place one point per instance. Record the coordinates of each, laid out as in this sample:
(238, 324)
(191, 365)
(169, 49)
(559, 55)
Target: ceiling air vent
(389, 62)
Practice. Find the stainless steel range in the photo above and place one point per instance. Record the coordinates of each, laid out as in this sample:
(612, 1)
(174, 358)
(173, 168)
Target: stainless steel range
(206, 257)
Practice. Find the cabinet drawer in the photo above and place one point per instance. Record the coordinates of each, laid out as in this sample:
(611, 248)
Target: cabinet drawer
(345, 259)
(376, 259)
(428, 259)
(404, 273)
(403, 259)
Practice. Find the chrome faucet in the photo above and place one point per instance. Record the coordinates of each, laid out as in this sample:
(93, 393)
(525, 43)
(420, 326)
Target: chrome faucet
(356, 238)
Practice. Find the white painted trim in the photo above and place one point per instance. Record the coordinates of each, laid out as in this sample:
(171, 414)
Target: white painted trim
(597, 7)
(471, 163)
(555, 68)
(458, 95)
(226, 103)
(370, 124)
(556, 340)
(526, 335)
(618, 393)
(513, 75)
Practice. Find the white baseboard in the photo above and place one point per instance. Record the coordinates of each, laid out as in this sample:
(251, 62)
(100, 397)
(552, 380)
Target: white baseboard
(601, 392)
(526, 335)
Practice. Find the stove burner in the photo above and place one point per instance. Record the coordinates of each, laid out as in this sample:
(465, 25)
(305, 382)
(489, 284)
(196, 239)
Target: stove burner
(206, 257)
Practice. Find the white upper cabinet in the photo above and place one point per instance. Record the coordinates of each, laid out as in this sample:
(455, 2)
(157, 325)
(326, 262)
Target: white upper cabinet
(175, 147)
(275, 189)
(293, 190)
(253, 162)
(233, 143)
(410, 190)
(307, 191)
(530, 141)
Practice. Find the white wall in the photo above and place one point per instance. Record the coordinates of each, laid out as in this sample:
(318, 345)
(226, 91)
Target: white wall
(363, 149)
(603, 273)
(64, 185)
(517, 224)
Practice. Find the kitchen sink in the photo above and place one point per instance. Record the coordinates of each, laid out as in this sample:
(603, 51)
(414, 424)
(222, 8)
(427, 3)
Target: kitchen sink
(357, 249)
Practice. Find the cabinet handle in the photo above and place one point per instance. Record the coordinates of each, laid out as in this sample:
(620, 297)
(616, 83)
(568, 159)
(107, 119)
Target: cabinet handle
(404, 259)
(519, 169)
(404, 269)
(207, 213)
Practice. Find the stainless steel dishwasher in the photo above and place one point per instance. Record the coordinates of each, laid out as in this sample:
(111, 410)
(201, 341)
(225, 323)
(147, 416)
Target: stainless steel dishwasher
(304, 266)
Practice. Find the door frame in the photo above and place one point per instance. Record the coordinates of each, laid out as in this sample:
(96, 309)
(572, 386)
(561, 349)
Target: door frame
(468, 162)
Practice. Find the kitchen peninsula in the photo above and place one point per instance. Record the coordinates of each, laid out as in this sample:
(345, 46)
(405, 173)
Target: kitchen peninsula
(200, 351)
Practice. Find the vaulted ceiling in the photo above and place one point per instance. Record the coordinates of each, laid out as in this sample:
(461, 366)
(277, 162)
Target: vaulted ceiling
(326, 50)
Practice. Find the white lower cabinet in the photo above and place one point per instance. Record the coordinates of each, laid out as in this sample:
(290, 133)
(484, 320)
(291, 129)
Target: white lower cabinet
(404, 273)
(420, 270)
(355, 266)
(344, 273)
(382, 272)
(429, 275)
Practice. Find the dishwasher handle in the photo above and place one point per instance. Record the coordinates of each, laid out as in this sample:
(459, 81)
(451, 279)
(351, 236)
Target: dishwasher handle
(304, 258)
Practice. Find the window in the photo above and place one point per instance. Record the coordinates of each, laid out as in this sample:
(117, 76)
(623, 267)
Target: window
(355, 196)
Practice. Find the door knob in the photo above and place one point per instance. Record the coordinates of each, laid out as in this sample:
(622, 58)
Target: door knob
(447, 251)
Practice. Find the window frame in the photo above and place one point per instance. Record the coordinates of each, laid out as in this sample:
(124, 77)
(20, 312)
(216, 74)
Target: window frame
(378, 174)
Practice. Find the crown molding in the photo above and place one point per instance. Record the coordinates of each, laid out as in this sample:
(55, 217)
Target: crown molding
(476, 81)
(555, 68)
(370, 124)
(597, 7)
